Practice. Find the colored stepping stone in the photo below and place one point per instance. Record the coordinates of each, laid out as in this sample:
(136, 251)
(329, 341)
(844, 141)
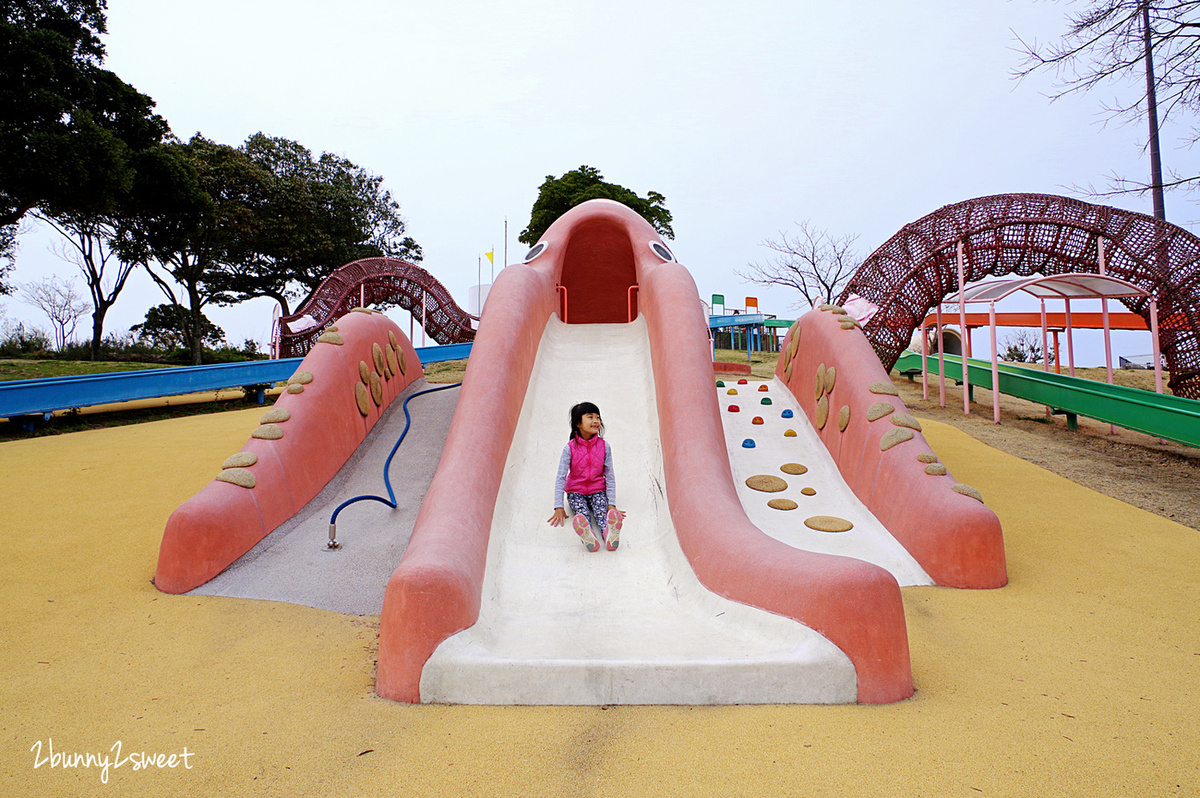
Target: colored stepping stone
(748, 443)
(791, 433)
(757, 420)
(734, 409)
(766, 483)
(766, 400)
(762, 387)
(720, 383)
(786, 413)
(743, 381)
(828, 523)
(731, 392)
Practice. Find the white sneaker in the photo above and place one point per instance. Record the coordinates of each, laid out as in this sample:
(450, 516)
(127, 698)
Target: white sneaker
(613, 538)
(583, 528)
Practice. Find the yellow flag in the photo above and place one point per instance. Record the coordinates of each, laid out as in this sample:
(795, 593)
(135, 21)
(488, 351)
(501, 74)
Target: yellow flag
(489, 257)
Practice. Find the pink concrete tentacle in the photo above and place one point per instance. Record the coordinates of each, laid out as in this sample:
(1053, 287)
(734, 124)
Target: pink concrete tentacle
(856, 605)
(436, 589)
(955, 538)
(222, 522)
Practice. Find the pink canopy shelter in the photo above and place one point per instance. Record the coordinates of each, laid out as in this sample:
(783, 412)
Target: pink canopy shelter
(1062, 286)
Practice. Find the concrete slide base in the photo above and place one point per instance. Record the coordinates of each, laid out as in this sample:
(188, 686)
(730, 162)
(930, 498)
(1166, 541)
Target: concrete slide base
(293, 564)
(561, 625)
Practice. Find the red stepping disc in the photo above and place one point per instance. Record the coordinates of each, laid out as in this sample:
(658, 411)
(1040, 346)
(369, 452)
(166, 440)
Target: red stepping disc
(734, 409)
(743, 381)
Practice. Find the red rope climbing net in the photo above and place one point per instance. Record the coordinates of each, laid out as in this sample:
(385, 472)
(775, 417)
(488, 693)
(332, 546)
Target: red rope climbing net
(1027, 234)
(375, 281)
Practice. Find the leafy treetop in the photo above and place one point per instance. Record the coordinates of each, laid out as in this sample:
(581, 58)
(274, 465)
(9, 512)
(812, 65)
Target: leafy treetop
(558, 195)
(68, 128)
(313, 214)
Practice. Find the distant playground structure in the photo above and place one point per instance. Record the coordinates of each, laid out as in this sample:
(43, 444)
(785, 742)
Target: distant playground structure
(368, 282)
(746, 327)
(929, 260)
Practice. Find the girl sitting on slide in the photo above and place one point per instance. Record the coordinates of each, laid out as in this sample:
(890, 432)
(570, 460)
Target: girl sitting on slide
(585, 473)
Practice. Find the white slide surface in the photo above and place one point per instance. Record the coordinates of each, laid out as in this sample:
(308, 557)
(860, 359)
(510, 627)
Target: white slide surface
(561, 625)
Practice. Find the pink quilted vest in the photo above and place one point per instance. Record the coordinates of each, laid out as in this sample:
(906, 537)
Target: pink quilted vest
(587, 466)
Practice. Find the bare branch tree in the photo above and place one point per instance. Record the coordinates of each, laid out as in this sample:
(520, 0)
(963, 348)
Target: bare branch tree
(812, 261)
(90, 238)
(1021, 346)
(1153, 42)
(58, 300)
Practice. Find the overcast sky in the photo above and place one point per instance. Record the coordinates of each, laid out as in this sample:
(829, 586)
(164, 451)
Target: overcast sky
(749, 117)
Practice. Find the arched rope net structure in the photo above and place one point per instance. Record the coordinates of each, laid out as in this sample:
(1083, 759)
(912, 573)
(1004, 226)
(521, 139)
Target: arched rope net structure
(1028, 234)
(374, 281)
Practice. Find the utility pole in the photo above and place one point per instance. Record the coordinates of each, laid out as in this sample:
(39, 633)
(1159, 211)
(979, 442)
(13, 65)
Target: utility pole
(1156, 183)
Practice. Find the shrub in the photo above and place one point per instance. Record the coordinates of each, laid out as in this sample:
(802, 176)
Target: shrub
(1021, 347)
(17, 340)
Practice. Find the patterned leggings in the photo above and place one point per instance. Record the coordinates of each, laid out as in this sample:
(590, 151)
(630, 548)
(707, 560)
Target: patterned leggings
(593, 506)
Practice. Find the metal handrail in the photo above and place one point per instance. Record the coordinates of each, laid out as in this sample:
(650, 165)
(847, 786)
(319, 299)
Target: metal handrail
(563, 288)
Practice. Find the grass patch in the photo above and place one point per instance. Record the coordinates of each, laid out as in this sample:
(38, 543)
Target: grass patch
(762, 364)
(448, 371)
(19, 369)
(1142, 379)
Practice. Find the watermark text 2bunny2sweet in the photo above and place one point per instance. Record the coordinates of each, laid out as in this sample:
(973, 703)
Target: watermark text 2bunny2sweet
(136, 760)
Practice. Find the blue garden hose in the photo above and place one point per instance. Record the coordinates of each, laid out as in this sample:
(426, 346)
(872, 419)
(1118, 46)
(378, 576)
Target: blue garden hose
(390, 501)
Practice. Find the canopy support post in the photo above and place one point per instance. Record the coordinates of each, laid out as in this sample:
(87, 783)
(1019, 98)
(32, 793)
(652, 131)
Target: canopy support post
(962, 323)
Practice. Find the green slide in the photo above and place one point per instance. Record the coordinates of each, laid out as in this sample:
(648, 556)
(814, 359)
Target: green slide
(1161, 415)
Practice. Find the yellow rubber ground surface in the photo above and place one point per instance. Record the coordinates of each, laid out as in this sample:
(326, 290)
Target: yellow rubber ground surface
(1079, 678)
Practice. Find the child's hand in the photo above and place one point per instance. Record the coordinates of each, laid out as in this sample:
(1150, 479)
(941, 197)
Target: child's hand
(559, 518)
(619, 512)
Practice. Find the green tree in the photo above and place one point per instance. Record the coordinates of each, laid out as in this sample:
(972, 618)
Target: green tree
(8, 254)
(315, 214)
(193, 210)
(68, 128)
(172, 327)
(557, 195)
(71, 134)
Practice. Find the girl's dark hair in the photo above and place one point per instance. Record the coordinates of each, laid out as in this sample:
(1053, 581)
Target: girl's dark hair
(578, 412)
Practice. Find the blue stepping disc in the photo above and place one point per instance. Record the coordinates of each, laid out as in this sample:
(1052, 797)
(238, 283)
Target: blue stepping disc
(748, 443)
(786, 413)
